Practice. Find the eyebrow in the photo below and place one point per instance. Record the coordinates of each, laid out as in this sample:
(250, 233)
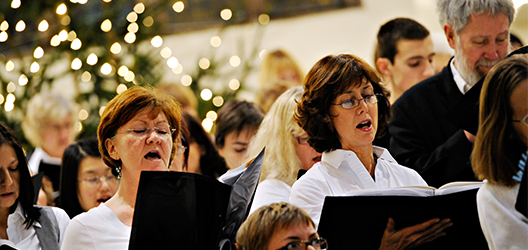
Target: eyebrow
(241, 143)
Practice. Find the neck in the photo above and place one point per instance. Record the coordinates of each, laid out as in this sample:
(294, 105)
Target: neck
(366, 156)
(124, 201)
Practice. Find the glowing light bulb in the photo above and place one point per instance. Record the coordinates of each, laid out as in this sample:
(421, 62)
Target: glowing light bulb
(76, 44)
(92, 59)
(23, 80)
(204, 63)
(106, 69)
(215, 41)
(234, 61)
(4, 25)
(166, 52)
(263, 19)
(3, 36)
(38, 52)
(115, 48)
(148, 21)
(178, 7)
(20, 26)
(211, 114)
(172, 62)
(157, 41)
(34, 67)
(76, 64)
(207, 124)
(234, 84)
(139, 8)
(121, 88)
(218, 101)
(55, 41)
(43, 26)
(132, 17)
(106, 25)
(61, 9)
(133, 27)
(83, 114)
(10, 65)
(186, 80)
(122, 71)
(130, 38)
(15, 4)
(63, 35)
(226, 14)
(11, 87)
(206, 94)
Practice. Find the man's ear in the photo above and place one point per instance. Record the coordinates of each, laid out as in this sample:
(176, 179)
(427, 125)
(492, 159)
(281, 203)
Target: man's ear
(384, 65)
(110, 147)
(450, 35)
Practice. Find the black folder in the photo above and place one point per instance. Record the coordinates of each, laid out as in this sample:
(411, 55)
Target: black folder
(358, 222)
(176, 210)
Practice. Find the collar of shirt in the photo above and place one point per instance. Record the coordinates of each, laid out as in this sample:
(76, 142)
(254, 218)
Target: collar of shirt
(37, 156)
(16, 229)
(462, 85)
(335, 157)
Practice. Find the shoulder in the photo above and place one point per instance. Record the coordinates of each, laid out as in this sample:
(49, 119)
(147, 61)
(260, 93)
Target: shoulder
(312, 182)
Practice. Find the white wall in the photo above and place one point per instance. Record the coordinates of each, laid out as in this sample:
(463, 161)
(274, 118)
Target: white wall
(307, 38)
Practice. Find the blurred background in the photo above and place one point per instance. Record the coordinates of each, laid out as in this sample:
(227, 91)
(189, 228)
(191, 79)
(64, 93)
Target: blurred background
(91, 50)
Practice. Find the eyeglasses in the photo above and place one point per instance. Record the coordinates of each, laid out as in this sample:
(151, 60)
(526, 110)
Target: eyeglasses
(318, 244)
(352, 103)
(163, 131)
(95, 181)
(302, 140)
(523, 121)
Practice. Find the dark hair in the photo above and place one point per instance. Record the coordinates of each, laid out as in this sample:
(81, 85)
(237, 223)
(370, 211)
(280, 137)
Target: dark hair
(497, 149)
(392, 32)
(123, 107)
(69, 184)
(328, 78)
(211, 163)
(235, 116)
(184, 137)
(26, 193)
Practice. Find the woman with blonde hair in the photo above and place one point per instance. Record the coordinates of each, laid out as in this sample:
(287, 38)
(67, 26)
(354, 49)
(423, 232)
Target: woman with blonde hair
(284, 139)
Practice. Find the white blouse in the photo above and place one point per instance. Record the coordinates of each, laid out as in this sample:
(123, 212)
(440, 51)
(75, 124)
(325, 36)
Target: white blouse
(341, 171)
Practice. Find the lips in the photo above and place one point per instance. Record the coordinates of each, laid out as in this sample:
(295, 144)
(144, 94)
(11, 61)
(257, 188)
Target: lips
(365, 125)
(103, 199)
(6, 194)
(153, 155)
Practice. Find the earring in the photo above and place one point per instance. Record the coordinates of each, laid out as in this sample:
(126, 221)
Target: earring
(118, 170)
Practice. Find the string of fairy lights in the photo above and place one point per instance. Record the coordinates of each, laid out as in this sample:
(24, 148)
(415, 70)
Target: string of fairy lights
(109, 68)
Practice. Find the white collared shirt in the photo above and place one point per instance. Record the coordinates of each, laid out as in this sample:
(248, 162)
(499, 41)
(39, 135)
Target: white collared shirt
(341, 171)
(462, 85)
(27, 239)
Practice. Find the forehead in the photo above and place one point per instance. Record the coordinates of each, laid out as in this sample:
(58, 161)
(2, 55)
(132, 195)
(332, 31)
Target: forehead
(408, 48)
(486, 25)
(357, 87)
(149, 114)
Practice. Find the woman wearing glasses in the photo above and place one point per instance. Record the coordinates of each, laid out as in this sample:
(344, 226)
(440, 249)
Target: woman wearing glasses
(86, 181)
(136, 133)
(279, 226)
(501, 140)
(343, 108)
(287, 150)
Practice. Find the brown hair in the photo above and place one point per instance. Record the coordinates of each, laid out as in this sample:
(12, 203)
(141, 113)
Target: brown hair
(328, 78)
(122, 108)
(256, 232)
(497, 148)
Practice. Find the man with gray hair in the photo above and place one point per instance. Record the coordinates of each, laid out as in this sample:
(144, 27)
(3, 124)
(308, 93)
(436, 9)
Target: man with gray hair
(423, 137)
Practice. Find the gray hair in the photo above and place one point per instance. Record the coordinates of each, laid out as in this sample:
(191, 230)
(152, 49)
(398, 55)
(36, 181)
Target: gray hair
(43, 108)
(457, 12)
